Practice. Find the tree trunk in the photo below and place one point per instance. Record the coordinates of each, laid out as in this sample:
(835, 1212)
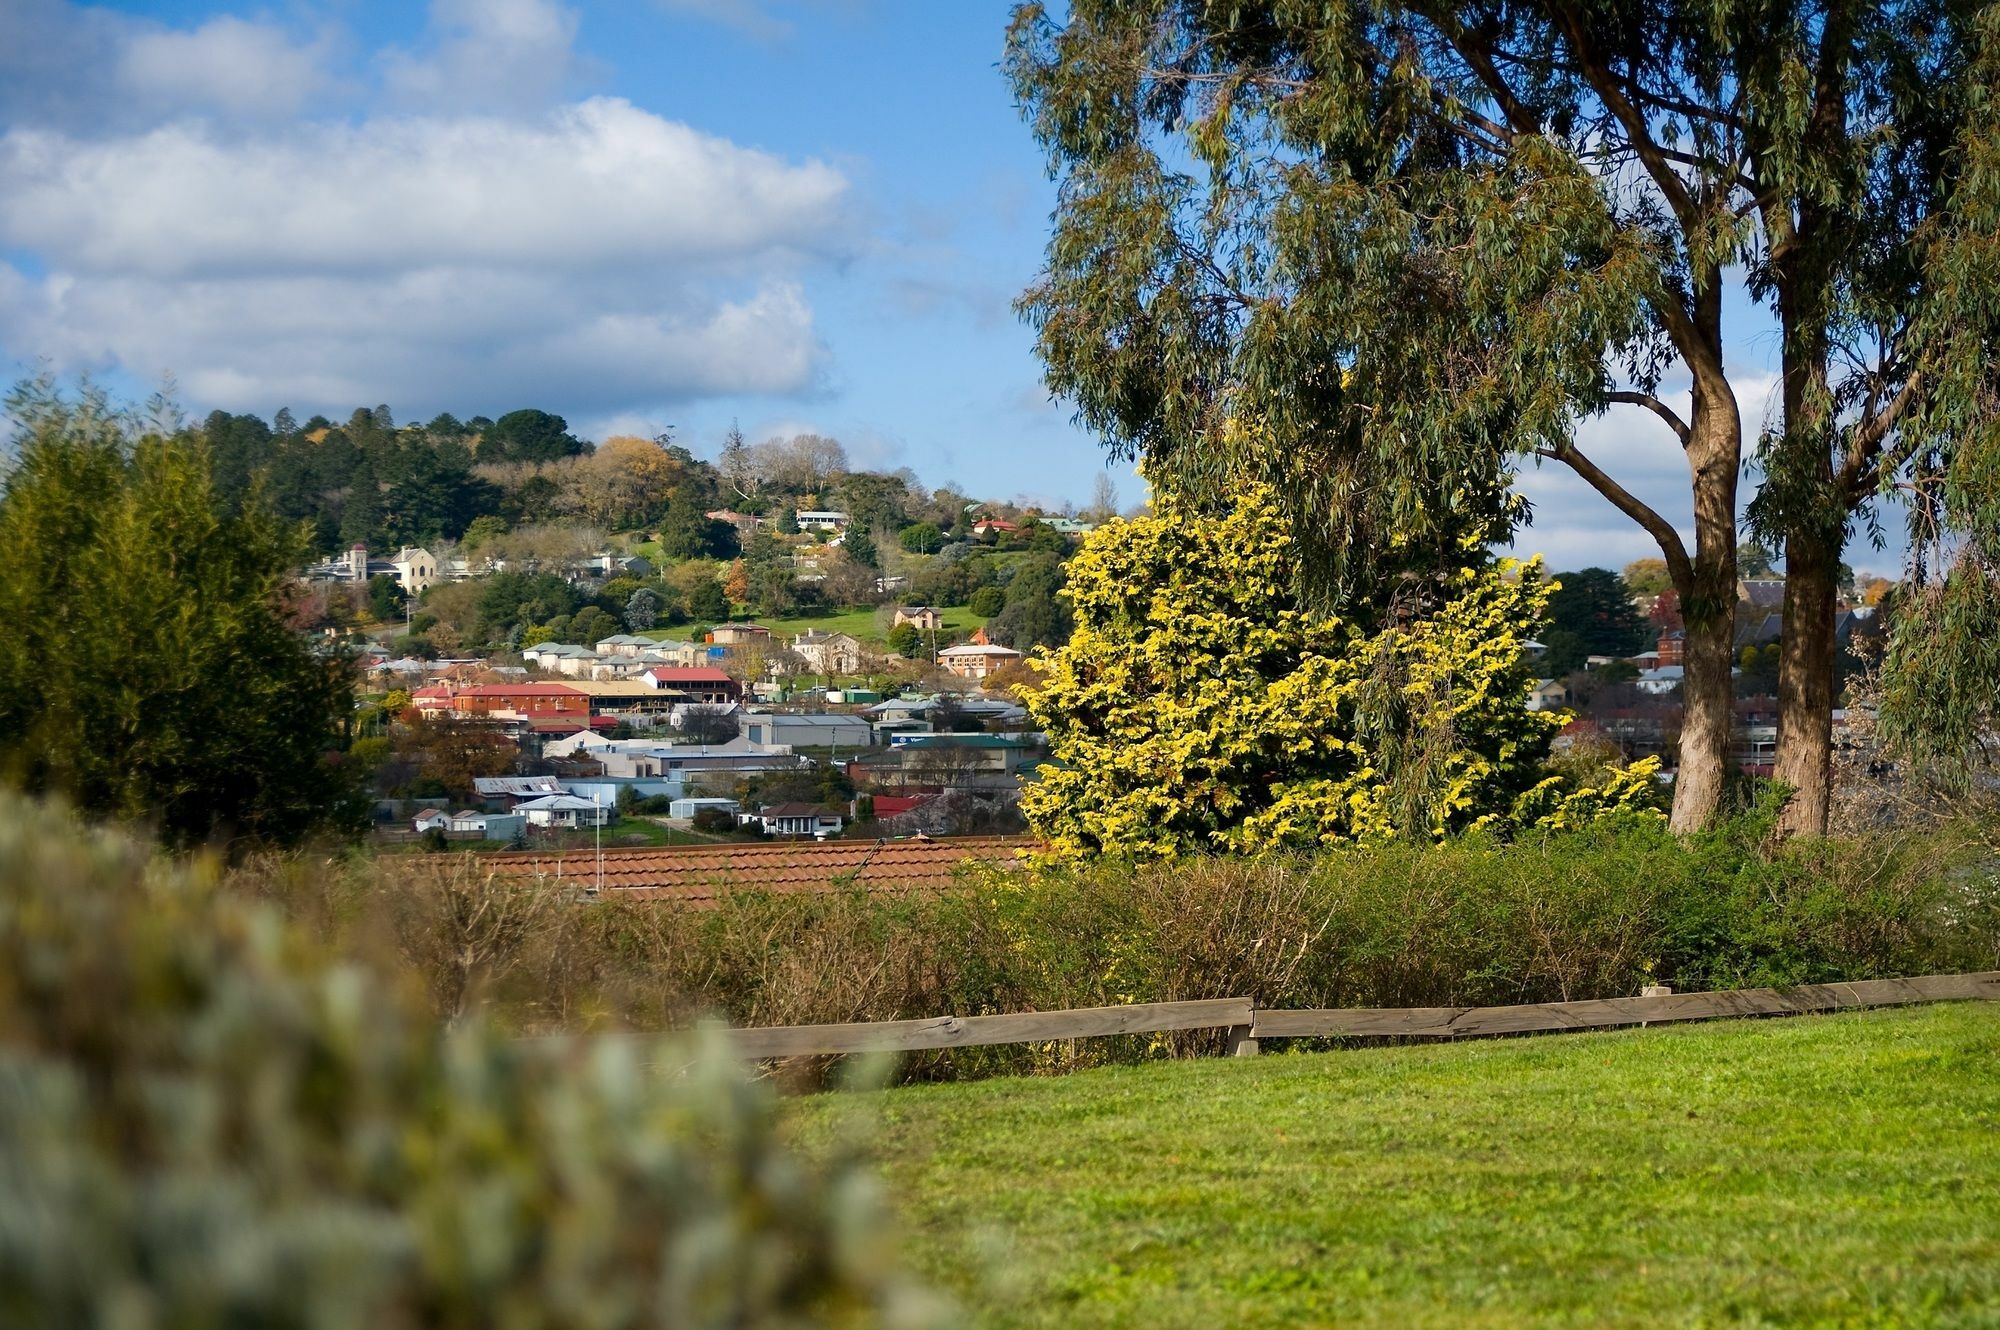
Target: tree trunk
(1708, 717)
(1805, 683)
(1708, 610)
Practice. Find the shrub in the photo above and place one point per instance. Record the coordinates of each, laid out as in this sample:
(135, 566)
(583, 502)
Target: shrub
(206, 1122)
(1597, 913)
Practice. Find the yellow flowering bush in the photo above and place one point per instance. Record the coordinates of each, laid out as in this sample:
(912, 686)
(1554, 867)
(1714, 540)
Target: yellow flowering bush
(1202, 705)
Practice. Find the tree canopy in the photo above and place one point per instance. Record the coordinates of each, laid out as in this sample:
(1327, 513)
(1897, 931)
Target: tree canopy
(1203, 704)
(154, 673)
(1416, 242)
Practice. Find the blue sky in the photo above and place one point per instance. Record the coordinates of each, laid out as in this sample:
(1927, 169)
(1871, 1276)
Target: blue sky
(799, 214)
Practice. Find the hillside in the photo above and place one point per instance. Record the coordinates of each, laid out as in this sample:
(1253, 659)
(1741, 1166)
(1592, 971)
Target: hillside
(1815, 1171)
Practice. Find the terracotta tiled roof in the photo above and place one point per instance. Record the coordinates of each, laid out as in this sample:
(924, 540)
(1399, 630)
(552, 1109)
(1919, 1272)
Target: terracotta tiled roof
(698, 874)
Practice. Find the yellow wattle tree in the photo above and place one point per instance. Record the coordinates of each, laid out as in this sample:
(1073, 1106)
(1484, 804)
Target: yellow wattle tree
(1202, 705)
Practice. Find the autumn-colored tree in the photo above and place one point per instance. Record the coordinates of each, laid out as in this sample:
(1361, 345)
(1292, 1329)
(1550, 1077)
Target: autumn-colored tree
(446, 753)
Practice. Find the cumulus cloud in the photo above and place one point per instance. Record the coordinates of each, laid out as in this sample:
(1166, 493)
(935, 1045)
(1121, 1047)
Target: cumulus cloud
(226, 64)
(1576, 527)
(602, 182)
(92, 69)
(488, 54)
(591, 256)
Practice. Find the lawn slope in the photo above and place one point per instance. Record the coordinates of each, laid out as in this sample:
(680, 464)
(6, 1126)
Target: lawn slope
(1819, 1171)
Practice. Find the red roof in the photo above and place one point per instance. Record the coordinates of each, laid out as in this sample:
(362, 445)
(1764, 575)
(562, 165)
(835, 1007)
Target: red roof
(888, 805)
(690, 674)
(698, 874)
(518, 690)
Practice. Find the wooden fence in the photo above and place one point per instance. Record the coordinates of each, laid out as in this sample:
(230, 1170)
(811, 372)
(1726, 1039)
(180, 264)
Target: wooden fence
(1246, 1023)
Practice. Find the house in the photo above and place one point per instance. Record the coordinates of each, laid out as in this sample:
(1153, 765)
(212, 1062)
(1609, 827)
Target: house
(689, 807)
(1673, 647)
(433, 819)
(511, 791)
(1547, 695)
(798, 820)
(624, 644)
(784, 730)
(1661, 681)
(564, 811)
(525, 700)
(1762, 593)
(701, 683)
(829, 653)
(924, 618)
(977, 661)
(416, 568)
(1070, 526)
(413, 568)
(739, 634)
(813, 519)
(994, 526)
(746, 525)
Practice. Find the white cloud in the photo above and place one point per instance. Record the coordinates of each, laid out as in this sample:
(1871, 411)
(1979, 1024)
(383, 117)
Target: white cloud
(90, 69)
(594, 184)
(596, 255)
(226, 64)
(1576, 527)
(489, 54)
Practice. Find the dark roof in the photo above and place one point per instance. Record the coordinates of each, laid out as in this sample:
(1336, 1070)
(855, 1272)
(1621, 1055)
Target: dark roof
(698, 874)
(801, 810)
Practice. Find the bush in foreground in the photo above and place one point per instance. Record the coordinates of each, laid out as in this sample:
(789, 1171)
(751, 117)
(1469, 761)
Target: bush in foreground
(1597, 913)
(205, 1122)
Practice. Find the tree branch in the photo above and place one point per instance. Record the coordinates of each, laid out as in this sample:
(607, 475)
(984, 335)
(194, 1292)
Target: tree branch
(1864, 444)
(1628, 503)
(1658, 408)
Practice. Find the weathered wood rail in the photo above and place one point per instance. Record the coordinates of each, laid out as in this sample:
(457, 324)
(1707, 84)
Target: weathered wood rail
(1247, 1023)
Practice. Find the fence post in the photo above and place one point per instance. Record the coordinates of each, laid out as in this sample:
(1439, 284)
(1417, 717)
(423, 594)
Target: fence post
(1242, 1043)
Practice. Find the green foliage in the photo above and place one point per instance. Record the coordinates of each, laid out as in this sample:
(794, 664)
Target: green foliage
(209, 1122)
(860, 546)
(905, 640)
(528, 436)
(1590, 613)
(204, 713)
(707, 603)
(642, 609)
(921, 538)
(1032, 612)
(385, 596)
(1202, 705)
(987, 601)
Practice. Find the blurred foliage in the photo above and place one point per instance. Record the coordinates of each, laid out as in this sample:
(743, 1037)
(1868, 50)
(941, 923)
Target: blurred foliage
(207, 1121)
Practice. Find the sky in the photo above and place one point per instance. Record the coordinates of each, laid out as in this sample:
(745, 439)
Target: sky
(648, 216)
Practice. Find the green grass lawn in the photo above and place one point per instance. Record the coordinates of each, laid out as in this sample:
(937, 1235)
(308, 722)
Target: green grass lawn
(1816, 1171)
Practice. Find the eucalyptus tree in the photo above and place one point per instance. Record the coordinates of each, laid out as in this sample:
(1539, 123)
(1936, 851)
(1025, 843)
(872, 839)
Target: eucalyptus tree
(1377, 252)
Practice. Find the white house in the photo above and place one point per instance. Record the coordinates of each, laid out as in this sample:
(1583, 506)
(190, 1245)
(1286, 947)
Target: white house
(977, 661)
(813, 519)
(416, 568)
(798, 820)
(433, 818)
(1660, 681)
(563, 810)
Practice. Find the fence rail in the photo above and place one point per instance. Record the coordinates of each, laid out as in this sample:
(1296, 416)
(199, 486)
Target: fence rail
(1247, 1023)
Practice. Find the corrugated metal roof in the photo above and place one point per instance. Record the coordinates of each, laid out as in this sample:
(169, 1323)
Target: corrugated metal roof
(698, 874)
